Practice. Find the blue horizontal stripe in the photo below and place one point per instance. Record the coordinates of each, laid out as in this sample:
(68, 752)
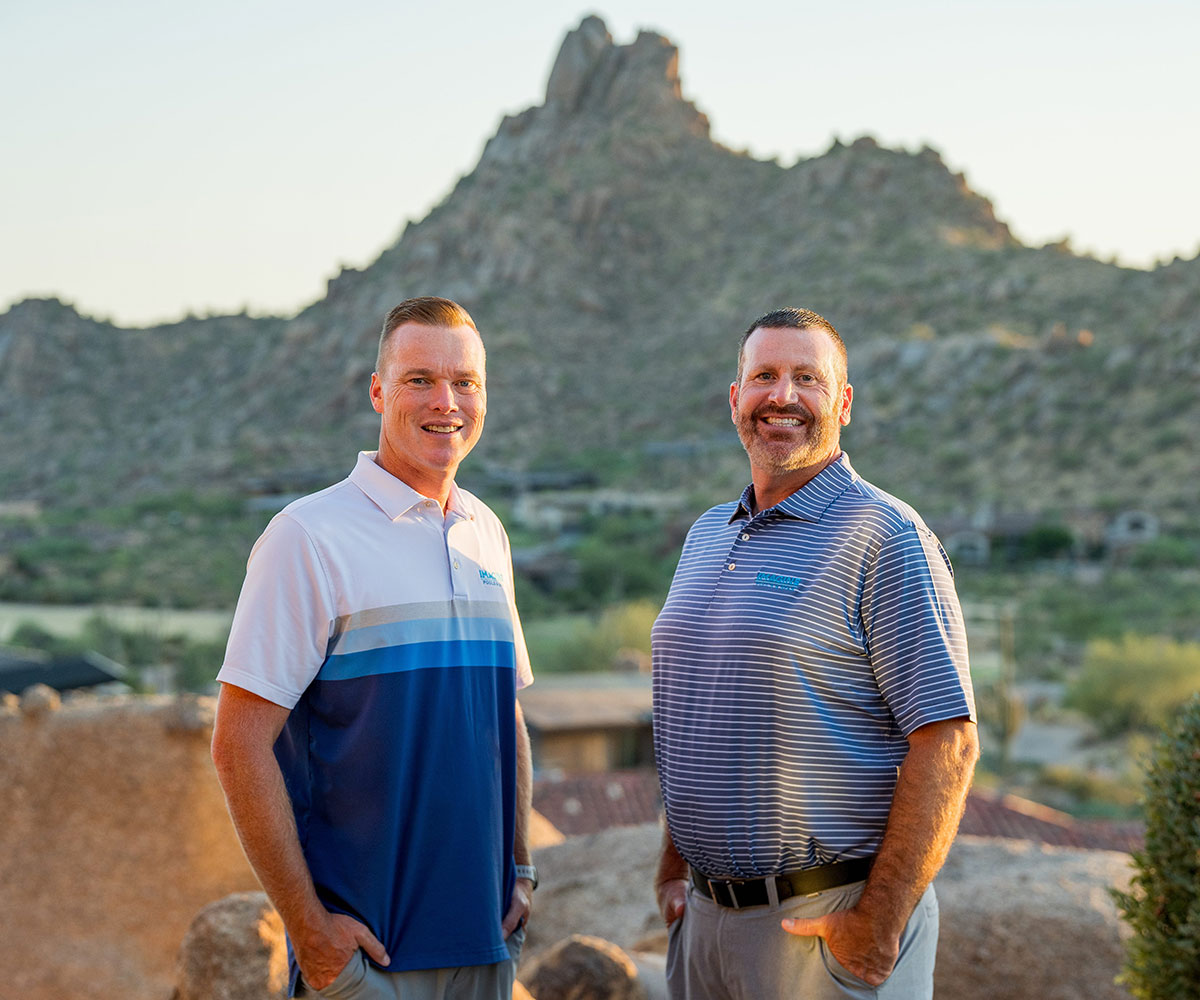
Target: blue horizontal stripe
(418, 656)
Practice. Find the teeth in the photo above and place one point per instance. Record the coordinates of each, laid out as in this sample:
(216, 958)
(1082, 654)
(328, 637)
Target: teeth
(783, 421)
(441, 428)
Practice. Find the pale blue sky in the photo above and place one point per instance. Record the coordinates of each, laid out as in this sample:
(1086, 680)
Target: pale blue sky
(160, 157)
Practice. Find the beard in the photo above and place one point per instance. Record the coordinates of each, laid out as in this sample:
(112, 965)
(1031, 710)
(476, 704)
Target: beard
(789, 451)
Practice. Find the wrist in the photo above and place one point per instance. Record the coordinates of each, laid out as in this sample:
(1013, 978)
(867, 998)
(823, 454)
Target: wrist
(529, 874)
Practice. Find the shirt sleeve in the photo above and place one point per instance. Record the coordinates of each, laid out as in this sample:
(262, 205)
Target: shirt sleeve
(284, 618)
(914, 629)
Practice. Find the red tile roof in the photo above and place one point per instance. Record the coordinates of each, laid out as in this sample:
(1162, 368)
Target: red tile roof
(990, 814)
(588, 803)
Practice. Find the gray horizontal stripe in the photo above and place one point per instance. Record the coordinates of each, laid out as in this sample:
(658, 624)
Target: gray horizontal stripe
(416, 611)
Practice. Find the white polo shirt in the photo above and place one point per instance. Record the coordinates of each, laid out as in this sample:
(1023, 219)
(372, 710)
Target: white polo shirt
(391, 633)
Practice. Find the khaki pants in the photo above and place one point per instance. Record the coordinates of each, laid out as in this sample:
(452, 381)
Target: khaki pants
(716, 953)
(362, 981)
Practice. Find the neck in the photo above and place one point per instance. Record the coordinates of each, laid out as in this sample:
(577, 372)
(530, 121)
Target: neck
(432, 486)
(771, 487)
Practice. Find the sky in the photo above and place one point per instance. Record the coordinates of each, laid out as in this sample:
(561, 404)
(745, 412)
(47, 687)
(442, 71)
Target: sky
(159, 159)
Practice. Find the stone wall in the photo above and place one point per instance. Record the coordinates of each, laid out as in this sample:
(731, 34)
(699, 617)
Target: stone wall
(113, 834)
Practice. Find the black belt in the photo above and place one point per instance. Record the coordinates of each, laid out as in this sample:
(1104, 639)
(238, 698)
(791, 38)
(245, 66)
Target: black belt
(737, 893)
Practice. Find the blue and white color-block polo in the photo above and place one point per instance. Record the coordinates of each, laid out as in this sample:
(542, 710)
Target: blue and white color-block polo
(391, 634)
(797, 649)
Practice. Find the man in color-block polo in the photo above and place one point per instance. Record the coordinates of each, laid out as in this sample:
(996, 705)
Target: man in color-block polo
(368, 739)
(813, 714)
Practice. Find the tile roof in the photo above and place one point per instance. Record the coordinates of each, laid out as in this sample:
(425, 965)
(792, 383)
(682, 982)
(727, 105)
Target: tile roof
(990, 814)
(587, 701)
(588, 803)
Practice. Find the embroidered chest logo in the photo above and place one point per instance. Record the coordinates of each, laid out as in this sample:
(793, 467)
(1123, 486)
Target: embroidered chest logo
(776, 581)
(491, 579)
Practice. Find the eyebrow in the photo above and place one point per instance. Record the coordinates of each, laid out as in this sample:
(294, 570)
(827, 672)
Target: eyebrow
(465, 373)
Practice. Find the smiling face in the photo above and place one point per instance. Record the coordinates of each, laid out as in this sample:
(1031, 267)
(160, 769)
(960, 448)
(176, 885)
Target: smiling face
(432, 398)
(789, 405)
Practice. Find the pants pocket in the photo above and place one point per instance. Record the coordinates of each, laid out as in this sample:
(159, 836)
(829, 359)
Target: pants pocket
(349, 981)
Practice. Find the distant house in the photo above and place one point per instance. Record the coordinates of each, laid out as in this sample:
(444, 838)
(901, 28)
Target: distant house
(22, 668)
(589, 722)
(1132, 527)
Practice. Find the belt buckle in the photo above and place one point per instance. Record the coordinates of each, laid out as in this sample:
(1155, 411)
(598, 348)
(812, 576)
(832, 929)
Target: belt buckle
(728, 888)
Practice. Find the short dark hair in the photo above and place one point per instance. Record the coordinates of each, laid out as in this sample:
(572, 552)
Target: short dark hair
(426, 310)
(796, 319)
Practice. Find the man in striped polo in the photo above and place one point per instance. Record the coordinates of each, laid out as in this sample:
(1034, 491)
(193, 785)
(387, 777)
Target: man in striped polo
(373, 756)
(813, 714)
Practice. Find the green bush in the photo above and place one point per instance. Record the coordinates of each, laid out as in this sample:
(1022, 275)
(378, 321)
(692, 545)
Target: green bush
(1165, 552)
(1136, 682)
(590, 642)
(1047, 541)
(1162, 958)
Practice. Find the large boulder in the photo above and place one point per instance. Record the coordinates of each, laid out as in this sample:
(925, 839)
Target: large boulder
(234, 950)
(584, 968)
(1023, 920)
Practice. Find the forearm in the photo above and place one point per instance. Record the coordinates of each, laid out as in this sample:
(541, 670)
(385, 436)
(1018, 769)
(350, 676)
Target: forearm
(524, 801)
(671, 865)
(243, 739)
(262, 817)
(931, 792)
(670, 881)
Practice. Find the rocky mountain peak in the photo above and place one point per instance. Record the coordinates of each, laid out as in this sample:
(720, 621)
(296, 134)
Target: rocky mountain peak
(592, 74)
(596, 82)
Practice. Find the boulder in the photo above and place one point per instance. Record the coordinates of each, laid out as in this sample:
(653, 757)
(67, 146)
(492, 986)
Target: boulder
(38, 700)
(584, 968)
(234, 950)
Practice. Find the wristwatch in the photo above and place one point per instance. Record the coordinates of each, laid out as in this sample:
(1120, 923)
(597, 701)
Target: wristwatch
(529, 872)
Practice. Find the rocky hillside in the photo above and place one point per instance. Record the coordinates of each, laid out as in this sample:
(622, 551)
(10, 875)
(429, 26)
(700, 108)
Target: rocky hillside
(612, 253)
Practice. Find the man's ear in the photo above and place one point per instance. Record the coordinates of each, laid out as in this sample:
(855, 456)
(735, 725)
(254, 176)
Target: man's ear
(376, 393)
(847, 399)
(733, 395)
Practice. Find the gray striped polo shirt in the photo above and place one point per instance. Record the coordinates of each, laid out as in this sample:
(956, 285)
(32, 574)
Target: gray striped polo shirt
(796, 651)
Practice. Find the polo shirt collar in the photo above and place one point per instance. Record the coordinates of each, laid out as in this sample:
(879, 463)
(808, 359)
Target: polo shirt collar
(391, 495)
(809, 502)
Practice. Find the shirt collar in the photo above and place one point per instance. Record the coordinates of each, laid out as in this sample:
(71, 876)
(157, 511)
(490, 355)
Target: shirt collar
(394, 496)
(809, 502)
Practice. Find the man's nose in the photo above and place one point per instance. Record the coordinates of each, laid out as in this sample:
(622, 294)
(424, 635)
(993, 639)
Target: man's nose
(784, 392)
(443, 397)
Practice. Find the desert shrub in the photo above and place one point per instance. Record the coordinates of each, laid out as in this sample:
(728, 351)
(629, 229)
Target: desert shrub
(1135, 682)
(590, 642)
(1162, 958)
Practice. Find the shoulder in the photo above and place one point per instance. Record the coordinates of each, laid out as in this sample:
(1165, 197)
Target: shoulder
(715, 518)
(880, 512)
(318, 512)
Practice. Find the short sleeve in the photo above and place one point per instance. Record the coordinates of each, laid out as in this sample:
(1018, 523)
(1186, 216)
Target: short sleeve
(284, 618)
(914, 630)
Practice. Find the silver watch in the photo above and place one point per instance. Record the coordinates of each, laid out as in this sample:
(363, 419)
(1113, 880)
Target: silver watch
(529, 872)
